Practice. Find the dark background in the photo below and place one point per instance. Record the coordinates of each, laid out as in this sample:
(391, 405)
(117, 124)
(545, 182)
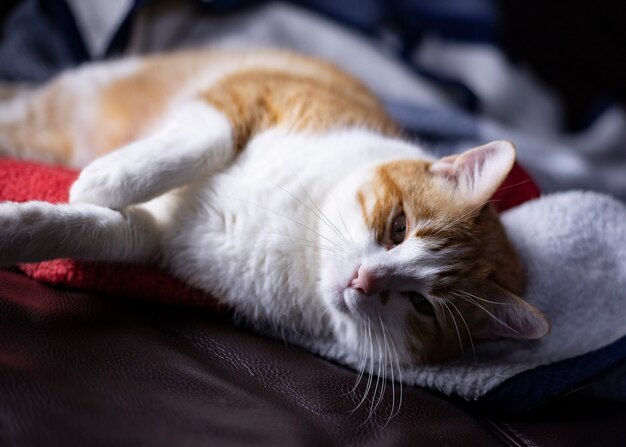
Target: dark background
(576, 47)
(579, 48)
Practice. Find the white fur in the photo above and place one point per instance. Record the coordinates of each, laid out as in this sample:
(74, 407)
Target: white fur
(11, 111)
(36, 231)
(473, 177)
(77, 91)
(194, 141)
(253, 234)
(84, 86)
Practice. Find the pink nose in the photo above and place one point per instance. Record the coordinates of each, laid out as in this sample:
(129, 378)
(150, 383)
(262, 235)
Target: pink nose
(364, 281)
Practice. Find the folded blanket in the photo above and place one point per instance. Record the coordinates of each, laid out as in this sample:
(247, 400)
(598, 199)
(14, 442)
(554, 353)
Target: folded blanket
(574, 248)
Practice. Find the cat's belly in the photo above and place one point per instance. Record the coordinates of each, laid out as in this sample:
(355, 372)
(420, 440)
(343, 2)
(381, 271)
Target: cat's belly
(247, 246)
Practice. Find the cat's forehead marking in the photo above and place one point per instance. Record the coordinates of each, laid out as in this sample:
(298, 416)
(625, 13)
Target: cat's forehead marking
(394, 186)
(426, 227)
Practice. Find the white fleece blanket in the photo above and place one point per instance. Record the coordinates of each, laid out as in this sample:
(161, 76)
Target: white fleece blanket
(574, 247)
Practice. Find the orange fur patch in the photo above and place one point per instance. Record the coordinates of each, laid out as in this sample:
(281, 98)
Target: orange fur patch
(257, 99)
(128, 106)
(254, 90)
(43, 133)
(484, 251)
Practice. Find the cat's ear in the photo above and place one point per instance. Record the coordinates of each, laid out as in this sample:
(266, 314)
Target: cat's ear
(476, 174)
(511, 317)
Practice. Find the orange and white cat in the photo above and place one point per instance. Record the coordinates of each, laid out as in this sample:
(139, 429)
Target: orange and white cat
(278, 184)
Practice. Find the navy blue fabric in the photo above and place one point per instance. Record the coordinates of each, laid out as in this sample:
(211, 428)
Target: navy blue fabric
(61, 14)
(407, 21)
(120, 38)
(531, 389)
(434, 125)
(34, 45)
(41, 29)
(455, 19)
(403, 22)
(474, 20)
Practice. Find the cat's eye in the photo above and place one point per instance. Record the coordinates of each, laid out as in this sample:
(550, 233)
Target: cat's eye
(421, 304)
(398, 229)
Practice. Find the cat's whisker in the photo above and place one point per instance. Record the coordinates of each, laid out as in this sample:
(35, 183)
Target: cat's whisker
(469, 334)
(504, 188)
(482, 299)
(470, 300)
(371, 367)
(320, 248)
(326, 222)
(456, 327)
(389, 356)
(342, 220)
(441, 308)
(397, 358)
(372, 407)
(309, 245)
(390, 368)
(306, 242)
(329, 222)
(362, 363)
(444, 311)
(382, 364)
(461, 218)
(290, 219)
(499, 320)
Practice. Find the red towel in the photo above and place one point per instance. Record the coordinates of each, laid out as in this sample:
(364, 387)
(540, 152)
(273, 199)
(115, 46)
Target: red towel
(21, 181)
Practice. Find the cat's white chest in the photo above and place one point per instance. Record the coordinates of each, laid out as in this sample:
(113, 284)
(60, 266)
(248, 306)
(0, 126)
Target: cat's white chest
(249, 235)
(252, 234)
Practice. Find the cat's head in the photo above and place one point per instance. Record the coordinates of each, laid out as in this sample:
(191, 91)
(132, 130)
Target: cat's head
(422, 261)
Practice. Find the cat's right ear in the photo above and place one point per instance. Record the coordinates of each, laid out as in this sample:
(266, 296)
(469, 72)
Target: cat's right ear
(475, 175)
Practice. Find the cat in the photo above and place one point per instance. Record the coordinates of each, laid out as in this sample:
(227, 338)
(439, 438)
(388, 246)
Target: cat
(278, 184)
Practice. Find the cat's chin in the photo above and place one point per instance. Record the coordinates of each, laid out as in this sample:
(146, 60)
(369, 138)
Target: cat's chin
(354, 305)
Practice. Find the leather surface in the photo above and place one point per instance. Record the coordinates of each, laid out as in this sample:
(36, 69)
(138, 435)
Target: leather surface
(81, 369)
(571, 422)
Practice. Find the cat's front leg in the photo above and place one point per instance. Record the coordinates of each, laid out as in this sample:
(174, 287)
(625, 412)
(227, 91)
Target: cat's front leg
(37, 231)
(194, 140)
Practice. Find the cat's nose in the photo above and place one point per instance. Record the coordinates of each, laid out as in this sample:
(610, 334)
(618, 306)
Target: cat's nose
(365, 281)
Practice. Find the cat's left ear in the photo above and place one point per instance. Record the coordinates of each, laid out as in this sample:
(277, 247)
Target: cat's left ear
(509, 317)
(476, 174)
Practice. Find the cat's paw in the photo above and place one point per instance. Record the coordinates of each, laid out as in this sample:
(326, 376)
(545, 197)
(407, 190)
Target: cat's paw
(102, 184)
(8, 219)
(20, 223)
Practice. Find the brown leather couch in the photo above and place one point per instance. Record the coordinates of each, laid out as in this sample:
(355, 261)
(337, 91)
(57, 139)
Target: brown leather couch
(82, 369)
